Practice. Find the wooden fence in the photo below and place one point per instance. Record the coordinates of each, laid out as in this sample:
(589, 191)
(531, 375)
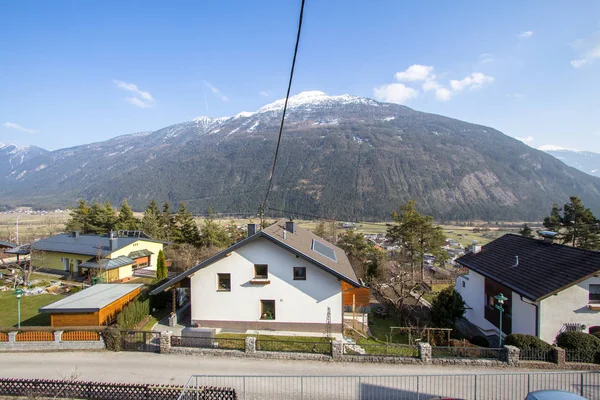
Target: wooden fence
(39, 336)
(42, 388)
(75, 336)
(3, 337)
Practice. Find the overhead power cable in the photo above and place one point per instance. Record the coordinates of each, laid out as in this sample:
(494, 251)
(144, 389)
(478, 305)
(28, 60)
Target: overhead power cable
(287, 96)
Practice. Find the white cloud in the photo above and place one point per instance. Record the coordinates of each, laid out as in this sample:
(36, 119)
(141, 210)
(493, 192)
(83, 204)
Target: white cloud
(474, 81)
(589, 49)
(395, 93)
(416, 72)
(137, 102)
(216, 91)
(486, 58)
(526, 140)
(524, 35)
(143, 99)
(443, 94)
(265, 93)
(12, 125)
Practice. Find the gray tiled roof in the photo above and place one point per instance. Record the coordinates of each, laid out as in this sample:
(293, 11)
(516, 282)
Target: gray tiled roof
(91, 299)
(299, 243)
(543, 268)
(140, 253)
(107, 264)
(7, 244)
(91, 245)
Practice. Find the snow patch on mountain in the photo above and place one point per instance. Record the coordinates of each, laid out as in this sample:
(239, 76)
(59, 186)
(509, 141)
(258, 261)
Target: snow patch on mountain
(315, 98)
(551, 147)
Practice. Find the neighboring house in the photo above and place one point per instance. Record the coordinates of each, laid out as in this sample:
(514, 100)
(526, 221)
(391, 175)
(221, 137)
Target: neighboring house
(94, 306)
(112, 257)
(550, 287)
(6, 246)
(281, 278)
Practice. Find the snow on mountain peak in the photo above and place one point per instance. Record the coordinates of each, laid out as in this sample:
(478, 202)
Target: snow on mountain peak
(314, 97)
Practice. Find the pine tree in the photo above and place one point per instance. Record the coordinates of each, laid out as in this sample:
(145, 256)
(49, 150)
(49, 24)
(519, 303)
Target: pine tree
(576, 225)
(212, 234)
(151, 220)
(126, 220)
(161, 266)
(526, 231)
(417, 235)
(167, 228)
(79, 218)
(187, 230)
(320, 229)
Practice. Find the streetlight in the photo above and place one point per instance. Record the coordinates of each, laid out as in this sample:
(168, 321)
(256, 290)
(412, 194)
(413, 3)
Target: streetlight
(18, 216)
(501, 299)
(18, 294)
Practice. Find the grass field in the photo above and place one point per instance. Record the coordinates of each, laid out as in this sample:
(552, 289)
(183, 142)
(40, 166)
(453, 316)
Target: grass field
(29, 309)
(304, 344)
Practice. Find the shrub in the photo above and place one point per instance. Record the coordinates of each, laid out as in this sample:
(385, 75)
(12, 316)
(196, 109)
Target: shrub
(112, 338)
(526, 342)
(134, 313)
(578, 341)
(447, 307)
(480, 341)
(74, 289)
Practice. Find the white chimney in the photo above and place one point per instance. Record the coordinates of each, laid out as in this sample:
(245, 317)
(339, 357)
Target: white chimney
(284, 234)
(475, 248)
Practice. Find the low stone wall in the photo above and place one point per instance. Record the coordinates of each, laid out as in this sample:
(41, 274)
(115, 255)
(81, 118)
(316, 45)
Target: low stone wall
(55, 345)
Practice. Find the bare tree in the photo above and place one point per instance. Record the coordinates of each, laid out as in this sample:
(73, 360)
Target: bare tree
(52, 225)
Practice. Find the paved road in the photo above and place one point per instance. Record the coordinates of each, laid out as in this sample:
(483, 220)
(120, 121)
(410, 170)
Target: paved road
(132, 367)
(176, 369)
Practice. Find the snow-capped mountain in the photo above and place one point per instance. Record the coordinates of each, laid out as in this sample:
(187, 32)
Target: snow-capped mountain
(585, 161)
(12, 156)
(341, 156)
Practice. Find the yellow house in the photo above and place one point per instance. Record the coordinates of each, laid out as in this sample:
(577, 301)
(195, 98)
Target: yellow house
(113, 257)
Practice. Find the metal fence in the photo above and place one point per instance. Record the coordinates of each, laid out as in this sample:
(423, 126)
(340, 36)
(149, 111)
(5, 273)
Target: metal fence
(582, 356)
(146, 341)
(404, 387)
(528, 354)
(209, 343)
(383, 349)
(316, 346)
(466, 352)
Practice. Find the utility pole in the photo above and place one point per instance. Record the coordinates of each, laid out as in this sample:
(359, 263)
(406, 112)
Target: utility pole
(18, 216)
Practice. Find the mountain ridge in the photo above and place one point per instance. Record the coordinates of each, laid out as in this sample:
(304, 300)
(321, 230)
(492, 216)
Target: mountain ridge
(343, 156)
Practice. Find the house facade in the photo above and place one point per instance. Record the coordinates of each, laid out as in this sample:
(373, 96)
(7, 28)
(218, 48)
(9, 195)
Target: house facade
(550, 287)
(112, 257)
(282, 278)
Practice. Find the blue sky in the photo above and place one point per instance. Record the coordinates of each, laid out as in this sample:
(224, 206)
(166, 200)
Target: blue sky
(74, 72)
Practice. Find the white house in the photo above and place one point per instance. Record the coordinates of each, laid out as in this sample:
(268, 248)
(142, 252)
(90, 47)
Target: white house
(550, 287)
(281, 278)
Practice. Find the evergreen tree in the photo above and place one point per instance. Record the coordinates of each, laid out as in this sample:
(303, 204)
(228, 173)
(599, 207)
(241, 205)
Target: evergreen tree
(161, 266)
(575, 224)
(167, 228)
(235, 234)
(526, 231)
(79, 218)
(447, 307)
(366, 259)
(187, 230)
(212, 234)
(320, 229)
(101, 218)
(126, 220)
(417, 235)
(151, 221)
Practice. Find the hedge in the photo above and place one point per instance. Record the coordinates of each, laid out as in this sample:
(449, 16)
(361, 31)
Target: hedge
(578, 341)
(134, 313)
(526, 342)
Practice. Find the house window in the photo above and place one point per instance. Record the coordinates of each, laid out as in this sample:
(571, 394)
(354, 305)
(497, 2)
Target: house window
(594, 295)
(224, 282)
(299, 273)
(267, 309)
(491, 301)
(261, 271)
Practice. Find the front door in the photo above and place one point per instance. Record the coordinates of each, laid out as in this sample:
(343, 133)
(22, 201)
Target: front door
(66, 264)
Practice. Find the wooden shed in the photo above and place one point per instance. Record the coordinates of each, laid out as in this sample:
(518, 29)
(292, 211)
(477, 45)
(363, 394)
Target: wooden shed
(93, 306)
(360, 297)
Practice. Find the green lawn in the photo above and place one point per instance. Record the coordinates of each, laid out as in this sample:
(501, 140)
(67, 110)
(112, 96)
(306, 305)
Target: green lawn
(29, 309)
(381, 327)
(303, 344)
